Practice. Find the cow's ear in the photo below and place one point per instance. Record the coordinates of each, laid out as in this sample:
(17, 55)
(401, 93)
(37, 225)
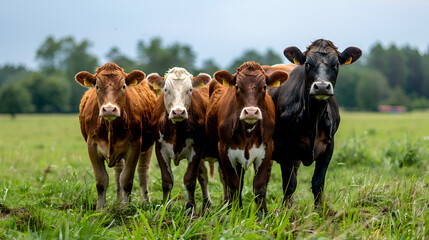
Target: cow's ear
(201, 80)
(294, 55)
(224, 77)
(85, 79)
(156, 81)
(134, 78)
(350, 55)
(277, 78)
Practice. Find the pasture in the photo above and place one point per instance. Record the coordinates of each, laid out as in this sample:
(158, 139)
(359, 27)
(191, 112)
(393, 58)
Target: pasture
(376, 188)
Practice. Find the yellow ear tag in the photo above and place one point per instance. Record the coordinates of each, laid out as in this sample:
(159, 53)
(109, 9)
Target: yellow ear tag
(276, 84)
(201, 85)
(155, 86)
(348, 61)
(225, 83)
(86, 83)
(133, 83)
(296, 62)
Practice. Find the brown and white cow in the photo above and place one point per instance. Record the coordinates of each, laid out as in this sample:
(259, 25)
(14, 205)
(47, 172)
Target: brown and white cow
(240, 121)
(179, 120)
(114, 119)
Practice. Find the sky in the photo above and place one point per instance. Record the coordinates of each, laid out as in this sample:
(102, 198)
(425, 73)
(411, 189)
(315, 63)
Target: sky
(221, 30)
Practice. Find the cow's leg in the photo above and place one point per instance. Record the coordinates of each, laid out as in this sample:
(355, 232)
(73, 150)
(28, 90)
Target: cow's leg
(224, 185)
(167, 178)
(260, 181)
(143, 173)
(190, 177)
(232, 176)
(127, 175)
(118, 170)
(318, 181)
(100, 174)
(204, 180)
(289, 180)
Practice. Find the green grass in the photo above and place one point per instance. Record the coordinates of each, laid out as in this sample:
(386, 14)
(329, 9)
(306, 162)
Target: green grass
(376, 188)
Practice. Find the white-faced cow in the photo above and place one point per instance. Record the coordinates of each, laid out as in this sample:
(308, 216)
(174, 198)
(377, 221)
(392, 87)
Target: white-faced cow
(307, 115)
(178, 119)
(114, 119)
(240, 122)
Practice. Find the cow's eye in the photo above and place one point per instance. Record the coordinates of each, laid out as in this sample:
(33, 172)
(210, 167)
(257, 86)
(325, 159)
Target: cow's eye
(236, 88)
(190, 90)
(265, 88)
(96, 87)
(123, 87)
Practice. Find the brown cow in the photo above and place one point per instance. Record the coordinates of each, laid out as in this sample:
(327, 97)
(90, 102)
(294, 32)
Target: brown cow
(240, 121)
(279, 67)
(178, 119)
(114, 119)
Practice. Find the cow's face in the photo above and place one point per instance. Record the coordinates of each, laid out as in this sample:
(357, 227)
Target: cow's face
(250, 84)
(322, 61)
(111, 83)
(177, 86)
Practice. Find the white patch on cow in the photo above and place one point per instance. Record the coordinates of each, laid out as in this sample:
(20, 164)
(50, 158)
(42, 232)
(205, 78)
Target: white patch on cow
(167, 153)
(177, 91)
(256, 155)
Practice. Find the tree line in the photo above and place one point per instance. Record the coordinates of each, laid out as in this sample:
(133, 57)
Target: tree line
(391, 76)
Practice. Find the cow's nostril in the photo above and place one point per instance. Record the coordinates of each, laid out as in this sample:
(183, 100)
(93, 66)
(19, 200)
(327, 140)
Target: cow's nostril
(256, 111)
(316, 87)
(245, 111)
(114, 110)
(328, 87)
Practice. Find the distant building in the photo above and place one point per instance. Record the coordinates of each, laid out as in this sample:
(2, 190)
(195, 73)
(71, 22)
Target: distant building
(392, 109)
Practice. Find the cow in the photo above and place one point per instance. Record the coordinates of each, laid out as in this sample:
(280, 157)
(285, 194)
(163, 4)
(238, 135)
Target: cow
(279, 67)
(179, 121)
(307, 115)
(114, 118)
(240, 122)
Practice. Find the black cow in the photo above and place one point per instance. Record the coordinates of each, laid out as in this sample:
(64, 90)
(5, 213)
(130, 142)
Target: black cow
(307, 115)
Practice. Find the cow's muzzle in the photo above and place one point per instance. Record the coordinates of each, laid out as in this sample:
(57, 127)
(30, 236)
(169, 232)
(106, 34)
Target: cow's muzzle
(109, 112)
(251, 114)
(178, 114)
(322, 90)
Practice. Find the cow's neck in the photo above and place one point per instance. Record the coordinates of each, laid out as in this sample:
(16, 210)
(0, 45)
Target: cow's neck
(313, 113)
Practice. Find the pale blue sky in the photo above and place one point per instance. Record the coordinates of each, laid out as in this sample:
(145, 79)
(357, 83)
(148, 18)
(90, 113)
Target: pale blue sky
(221, 30)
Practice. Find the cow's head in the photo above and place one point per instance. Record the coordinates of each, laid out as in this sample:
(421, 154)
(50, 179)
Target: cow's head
(111, 83)
(177, 86)
(250, 83)
(322, 61)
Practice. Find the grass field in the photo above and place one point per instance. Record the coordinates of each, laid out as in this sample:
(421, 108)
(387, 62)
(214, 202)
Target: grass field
(376, 188)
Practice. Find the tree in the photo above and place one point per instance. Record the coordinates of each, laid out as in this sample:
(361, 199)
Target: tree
(115, 55)
(14, 98)
(269, 58)
(66, 57)
(48, 93)
(156, 58)
(345, 87)
(209, 67)
(371, 89)
(8, 71)
(248, 55)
